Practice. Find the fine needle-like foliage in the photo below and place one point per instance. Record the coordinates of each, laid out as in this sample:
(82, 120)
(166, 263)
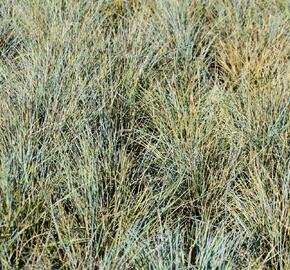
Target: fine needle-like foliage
(144, 134)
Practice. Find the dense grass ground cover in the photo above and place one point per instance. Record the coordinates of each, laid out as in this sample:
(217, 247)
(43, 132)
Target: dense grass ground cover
(144, 134)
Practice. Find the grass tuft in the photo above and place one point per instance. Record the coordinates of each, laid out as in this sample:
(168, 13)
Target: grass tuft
(144, 134)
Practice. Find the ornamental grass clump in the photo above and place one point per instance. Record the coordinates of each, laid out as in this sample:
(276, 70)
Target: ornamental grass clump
(144, 134)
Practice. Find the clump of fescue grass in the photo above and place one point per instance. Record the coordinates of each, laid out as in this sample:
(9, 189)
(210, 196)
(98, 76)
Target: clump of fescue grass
(144, 134)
